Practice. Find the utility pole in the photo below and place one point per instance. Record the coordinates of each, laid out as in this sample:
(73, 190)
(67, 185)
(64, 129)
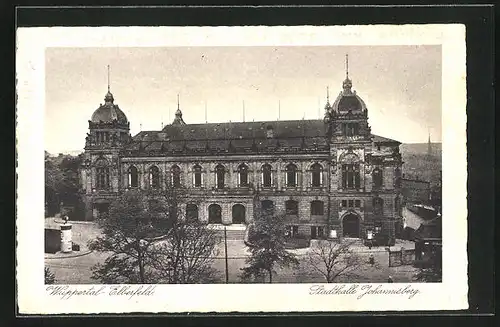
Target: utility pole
(225, 250)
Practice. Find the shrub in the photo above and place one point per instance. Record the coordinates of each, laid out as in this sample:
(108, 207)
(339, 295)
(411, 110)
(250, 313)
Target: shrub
(50, 278)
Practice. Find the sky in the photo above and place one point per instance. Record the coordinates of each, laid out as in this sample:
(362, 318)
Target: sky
(401, 86)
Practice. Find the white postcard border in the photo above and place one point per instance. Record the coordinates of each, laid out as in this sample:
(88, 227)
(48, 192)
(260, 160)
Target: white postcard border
(33, 297)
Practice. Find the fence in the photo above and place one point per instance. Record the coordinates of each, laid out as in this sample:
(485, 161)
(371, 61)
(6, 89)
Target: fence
(401, 258)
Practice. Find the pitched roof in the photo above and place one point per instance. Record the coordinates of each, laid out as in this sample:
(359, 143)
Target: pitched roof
(384, 140)
(288, 135)
(430, 229)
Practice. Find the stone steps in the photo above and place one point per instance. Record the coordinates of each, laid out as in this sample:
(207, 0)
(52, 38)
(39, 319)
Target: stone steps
(233, 234)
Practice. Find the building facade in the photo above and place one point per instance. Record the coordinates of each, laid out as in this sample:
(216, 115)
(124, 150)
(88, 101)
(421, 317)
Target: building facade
(415, 190)
(331, 177)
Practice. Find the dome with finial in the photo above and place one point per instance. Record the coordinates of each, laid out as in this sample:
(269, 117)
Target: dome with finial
(348, 100)
(109, 111)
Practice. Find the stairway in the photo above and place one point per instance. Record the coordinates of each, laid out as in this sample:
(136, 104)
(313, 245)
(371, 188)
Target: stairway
(233, 235)
(354, 241)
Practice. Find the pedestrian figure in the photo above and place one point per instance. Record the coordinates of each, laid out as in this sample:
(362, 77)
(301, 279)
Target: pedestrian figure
(371, 259)
(389, 280)
(370, 245)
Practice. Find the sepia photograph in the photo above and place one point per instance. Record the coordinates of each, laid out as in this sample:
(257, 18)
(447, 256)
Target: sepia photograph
(249, 163)
(243, 164)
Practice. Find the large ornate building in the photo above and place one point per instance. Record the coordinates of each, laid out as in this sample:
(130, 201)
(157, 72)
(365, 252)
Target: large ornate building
(331, 176)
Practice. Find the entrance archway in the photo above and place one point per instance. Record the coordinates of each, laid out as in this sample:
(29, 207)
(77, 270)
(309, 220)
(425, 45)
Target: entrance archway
(350, 226)
(101, 210)
(214, 214)
(238, 214)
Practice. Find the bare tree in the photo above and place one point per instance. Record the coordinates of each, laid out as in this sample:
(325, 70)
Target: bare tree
(333, 259)
(150, 241)
(185, 255)
(127, 235)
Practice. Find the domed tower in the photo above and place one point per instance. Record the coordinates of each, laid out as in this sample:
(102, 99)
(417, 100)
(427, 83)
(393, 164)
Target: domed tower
(109, 131)
(350, 141)
(350, 114)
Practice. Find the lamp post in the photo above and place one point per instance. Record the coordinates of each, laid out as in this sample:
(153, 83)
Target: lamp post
(225, 252)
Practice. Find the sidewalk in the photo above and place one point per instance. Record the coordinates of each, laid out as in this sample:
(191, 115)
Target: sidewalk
(359, 247)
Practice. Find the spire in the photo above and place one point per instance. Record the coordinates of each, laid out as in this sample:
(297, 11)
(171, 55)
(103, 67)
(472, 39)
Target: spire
(178, 115)
(108, 78)
(279, 109)
(206, 120)
(347, 84)
(108, 99)
(243, 110)
(346, 66)
(429, 145)
(327, 106)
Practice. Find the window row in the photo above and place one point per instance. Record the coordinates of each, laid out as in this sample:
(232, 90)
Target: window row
(316, 231)
(351, 177)
(377, 203)
(317, 208)
(291, 176)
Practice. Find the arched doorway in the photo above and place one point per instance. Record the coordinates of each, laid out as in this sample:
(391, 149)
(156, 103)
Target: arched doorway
(191, 212)
(214, 214)
(238, 214)
(350, 226)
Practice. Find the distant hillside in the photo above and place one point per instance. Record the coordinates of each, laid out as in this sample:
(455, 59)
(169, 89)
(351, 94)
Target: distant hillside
(417, 164)
(420, 148)
(73, 153)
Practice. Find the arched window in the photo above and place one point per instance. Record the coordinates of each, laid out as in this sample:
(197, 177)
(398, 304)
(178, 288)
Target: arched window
(197, 176)
(176, 176)
(214, 214)
(102, 174)
(133, 177)
(292, 207)
(378, 206)
(102, 177)
(267, 175)
(317, 208)
(316, 175)
(377, 177)
(243, 175)
(350, 176)
(291, 175)
(191, 212)
(267, 206)
(220, 173)
(154, 177)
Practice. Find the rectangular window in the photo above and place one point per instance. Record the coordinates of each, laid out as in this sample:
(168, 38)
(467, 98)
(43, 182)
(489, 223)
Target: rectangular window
(197, 179)
(295, 230)
(351, 129)
(321, 232)
(357, 203)
(350, 176)
(313, 232)
(344, 203)
(351, 203)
